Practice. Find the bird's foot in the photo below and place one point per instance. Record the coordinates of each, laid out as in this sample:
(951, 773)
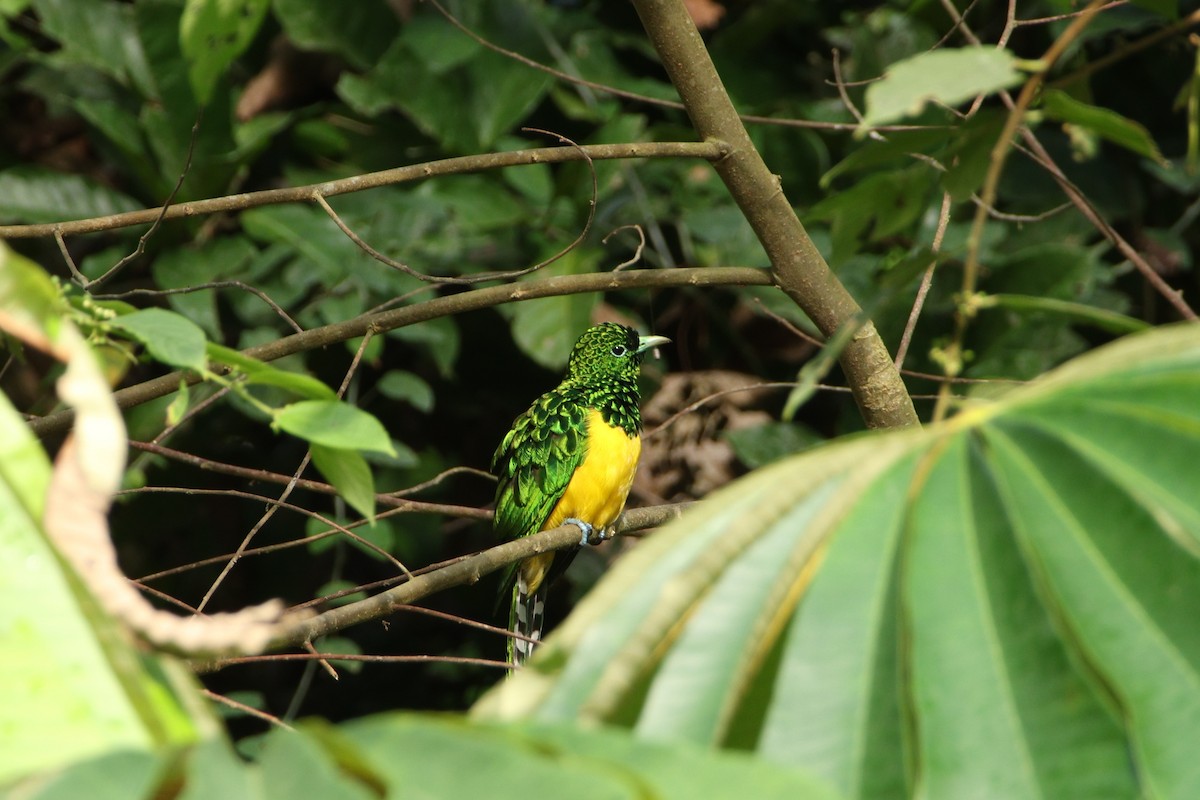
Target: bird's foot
(587, 532)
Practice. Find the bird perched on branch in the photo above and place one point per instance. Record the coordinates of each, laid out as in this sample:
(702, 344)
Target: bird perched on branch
(570, 459)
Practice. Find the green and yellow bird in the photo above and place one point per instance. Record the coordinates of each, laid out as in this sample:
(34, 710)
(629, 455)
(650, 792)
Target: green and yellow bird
(570, 459)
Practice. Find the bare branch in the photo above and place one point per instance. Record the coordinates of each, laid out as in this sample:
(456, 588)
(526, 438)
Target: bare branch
(466, 571)
(371, 180)
(59, 421)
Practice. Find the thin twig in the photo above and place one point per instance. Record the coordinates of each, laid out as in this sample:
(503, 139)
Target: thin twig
(709, 150)
(145, 237)
(228, 284)
(432, 309)
(245, 709)
(250, 473)
(926, 282)
(637, 254)
(244, 550)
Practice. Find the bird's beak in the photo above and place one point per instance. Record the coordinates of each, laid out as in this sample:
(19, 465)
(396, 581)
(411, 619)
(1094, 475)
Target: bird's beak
(647, 342)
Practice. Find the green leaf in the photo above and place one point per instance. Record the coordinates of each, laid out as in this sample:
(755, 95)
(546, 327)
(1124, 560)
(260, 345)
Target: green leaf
(214, 260)
(546, 329)
(101, 35)
(399, 384)
(347, 470)
(297, 766)
(358, 32)
(117, 775)
(169, 337)
(263, 374)
(762, 444)
(1001, 605)
(947, 76)
(212, 33)
(179, 406)
(579, 763)
(334, 424)
(33, 194)
(1107, 124)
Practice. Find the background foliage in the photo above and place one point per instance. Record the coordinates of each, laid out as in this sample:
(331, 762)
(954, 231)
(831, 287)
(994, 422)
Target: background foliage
(106, 104)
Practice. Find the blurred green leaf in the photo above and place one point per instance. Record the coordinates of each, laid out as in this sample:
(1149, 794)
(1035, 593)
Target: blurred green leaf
(358, 32)
(399, 384)
(946, 76)
(212, 34)
(34, 194)
(100, 34)
(1108, 124)
(763, 444)
(349, 474)
(546, 329)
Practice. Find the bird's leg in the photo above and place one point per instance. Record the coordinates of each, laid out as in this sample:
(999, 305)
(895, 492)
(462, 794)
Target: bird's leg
(585, 529)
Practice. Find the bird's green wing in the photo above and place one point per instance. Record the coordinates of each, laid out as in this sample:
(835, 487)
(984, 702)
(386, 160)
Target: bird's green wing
(536, 460)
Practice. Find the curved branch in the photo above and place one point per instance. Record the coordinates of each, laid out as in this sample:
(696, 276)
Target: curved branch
(380, 322)
(300, 194)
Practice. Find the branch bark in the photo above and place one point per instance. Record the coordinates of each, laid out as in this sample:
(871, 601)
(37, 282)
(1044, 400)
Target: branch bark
(371, 180)
(799, 268)
(383, 321)
(467, 571)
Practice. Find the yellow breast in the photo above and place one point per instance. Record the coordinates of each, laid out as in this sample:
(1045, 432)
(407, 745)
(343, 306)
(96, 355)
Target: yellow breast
(600, 485)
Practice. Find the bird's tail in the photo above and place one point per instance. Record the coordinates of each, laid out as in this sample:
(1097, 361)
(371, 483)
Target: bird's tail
(525, 620)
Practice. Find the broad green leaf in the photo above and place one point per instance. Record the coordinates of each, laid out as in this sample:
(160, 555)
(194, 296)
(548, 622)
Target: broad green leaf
(347, 470)
(264, 374)
(399, 384)
(407, 750)
(212, 33)
(33, 194)
(297, 766)
(169, 337)
(117, 775)
(76, 688)
(1001, 605)
(1110, 125)
(946, 76)
(334, 424)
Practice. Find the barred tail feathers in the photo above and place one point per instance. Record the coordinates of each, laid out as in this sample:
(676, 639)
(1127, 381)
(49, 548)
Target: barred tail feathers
(525, 620)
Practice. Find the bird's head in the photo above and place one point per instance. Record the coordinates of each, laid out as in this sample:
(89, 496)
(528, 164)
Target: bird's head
(608, 351)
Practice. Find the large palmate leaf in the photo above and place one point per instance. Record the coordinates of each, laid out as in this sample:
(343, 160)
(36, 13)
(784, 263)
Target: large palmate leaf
(1003, 605)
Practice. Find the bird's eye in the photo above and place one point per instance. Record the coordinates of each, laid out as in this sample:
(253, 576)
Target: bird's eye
(618, 350)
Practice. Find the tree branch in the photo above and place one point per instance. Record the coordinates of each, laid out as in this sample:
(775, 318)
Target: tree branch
(299, 194)
(467, 571)
(380, 322)
(798, 267)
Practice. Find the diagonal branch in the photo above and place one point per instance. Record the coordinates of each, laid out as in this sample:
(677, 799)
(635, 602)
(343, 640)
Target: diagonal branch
(798, 266)
(467, 571)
